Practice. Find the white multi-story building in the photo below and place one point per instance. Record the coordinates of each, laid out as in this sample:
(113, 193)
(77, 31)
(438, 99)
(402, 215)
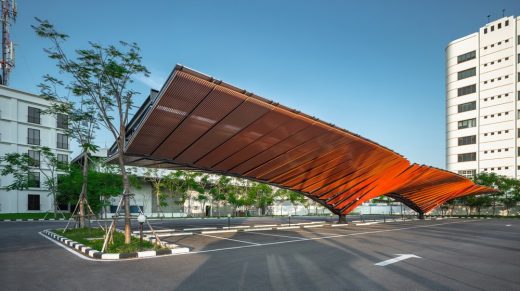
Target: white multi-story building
(23, 128)
(482, 92)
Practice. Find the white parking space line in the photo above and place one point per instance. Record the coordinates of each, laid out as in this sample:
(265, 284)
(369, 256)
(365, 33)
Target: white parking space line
(323, 233)
(199, 228)
(278, 235)
(325, 237)
(225, 238)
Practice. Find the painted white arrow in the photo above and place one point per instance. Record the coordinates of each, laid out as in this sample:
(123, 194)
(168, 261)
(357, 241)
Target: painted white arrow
(395, 260)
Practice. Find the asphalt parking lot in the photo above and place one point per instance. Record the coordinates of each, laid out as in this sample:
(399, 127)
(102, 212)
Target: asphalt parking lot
(454, 254)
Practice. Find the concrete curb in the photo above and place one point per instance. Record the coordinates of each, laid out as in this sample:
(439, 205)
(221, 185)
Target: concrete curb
(95, 254)
(34, 219)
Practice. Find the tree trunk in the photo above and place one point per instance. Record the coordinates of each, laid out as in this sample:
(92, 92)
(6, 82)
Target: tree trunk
(83, 194)
(126, 192)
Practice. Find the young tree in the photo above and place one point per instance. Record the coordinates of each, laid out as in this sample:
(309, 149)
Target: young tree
(101, 185)
(219, 190)
(236, 195)
(203, 196)
(156, 178)
(23, 167)
(103, 75)
(296, 198)
(181, 185)
(77, 118)
(263, 195)
(282, 195)
(192, 184)
(491, 179)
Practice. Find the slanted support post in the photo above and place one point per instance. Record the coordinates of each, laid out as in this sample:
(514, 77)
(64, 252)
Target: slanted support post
(342, 218)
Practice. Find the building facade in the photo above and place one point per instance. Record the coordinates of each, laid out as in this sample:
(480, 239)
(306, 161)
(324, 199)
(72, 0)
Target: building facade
(24, 127)
(482, 92)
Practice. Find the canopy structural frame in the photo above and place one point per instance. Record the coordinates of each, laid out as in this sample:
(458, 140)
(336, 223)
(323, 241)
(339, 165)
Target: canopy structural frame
(196, 122)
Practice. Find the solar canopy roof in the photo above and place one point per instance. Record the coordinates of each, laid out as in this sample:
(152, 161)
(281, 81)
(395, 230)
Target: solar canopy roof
(198, 123)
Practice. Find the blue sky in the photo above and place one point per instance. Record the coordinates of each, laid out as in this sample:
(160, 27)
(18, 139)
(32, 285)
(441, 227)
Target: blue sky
(373, 67)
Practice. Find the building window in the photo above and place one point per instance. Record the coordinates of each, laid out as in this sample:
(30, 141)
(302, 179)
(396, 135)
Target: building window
(485, 30)
(33, 115)
(467, 90)
(62, 121)
(507, 22)
(63, 159)
(33, 180)
(466, 73)
(499, 26)
(467, 157)
(35, 158)
(467, 106)
(492, 28)
(62, 141)
(33, 136)
(33, 202)
(472, 139)
(466, 57)
(467, 123)
(467, 173)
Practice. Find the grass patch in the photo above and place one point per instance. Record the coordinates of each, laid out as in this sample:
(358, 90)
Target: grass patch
(38, 215)
(93, 238)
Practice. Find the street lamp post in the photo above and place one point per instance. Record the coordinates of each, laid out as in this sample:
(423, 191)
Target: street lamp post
(141, 219)
(229, 220)
(289, 219)
(331, 218)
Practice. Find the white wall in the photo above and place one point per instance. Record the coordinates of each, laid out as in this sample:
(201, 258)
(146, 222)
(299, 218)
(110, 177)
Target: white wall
(496, 65)
(13, 138)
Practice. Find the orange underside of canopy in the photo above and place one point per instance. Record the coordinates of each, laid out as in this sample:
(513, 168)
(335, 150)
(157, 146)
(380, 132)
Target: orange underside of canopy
(198, 123)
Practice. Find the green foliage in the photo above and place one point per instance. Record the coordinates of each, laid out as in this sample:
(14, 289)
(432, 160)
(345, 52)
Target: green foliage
(100, 74)
(508, 192)
(158, 184)
(263, 195)
(101, 185)
(18, 165)
(93, 238)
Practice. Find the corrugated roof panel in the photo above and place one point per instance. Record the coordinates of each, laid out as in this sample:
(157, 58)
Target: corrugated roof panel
(249, 167)
(265, 142)
(217, 105)
(259, 128)
(175, 103)
(241, 117)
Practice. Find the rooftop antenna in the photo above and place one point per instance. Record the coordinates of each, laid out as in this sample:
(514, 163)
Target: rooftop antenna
(503, 12)
(8, 14)
(489, 16)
